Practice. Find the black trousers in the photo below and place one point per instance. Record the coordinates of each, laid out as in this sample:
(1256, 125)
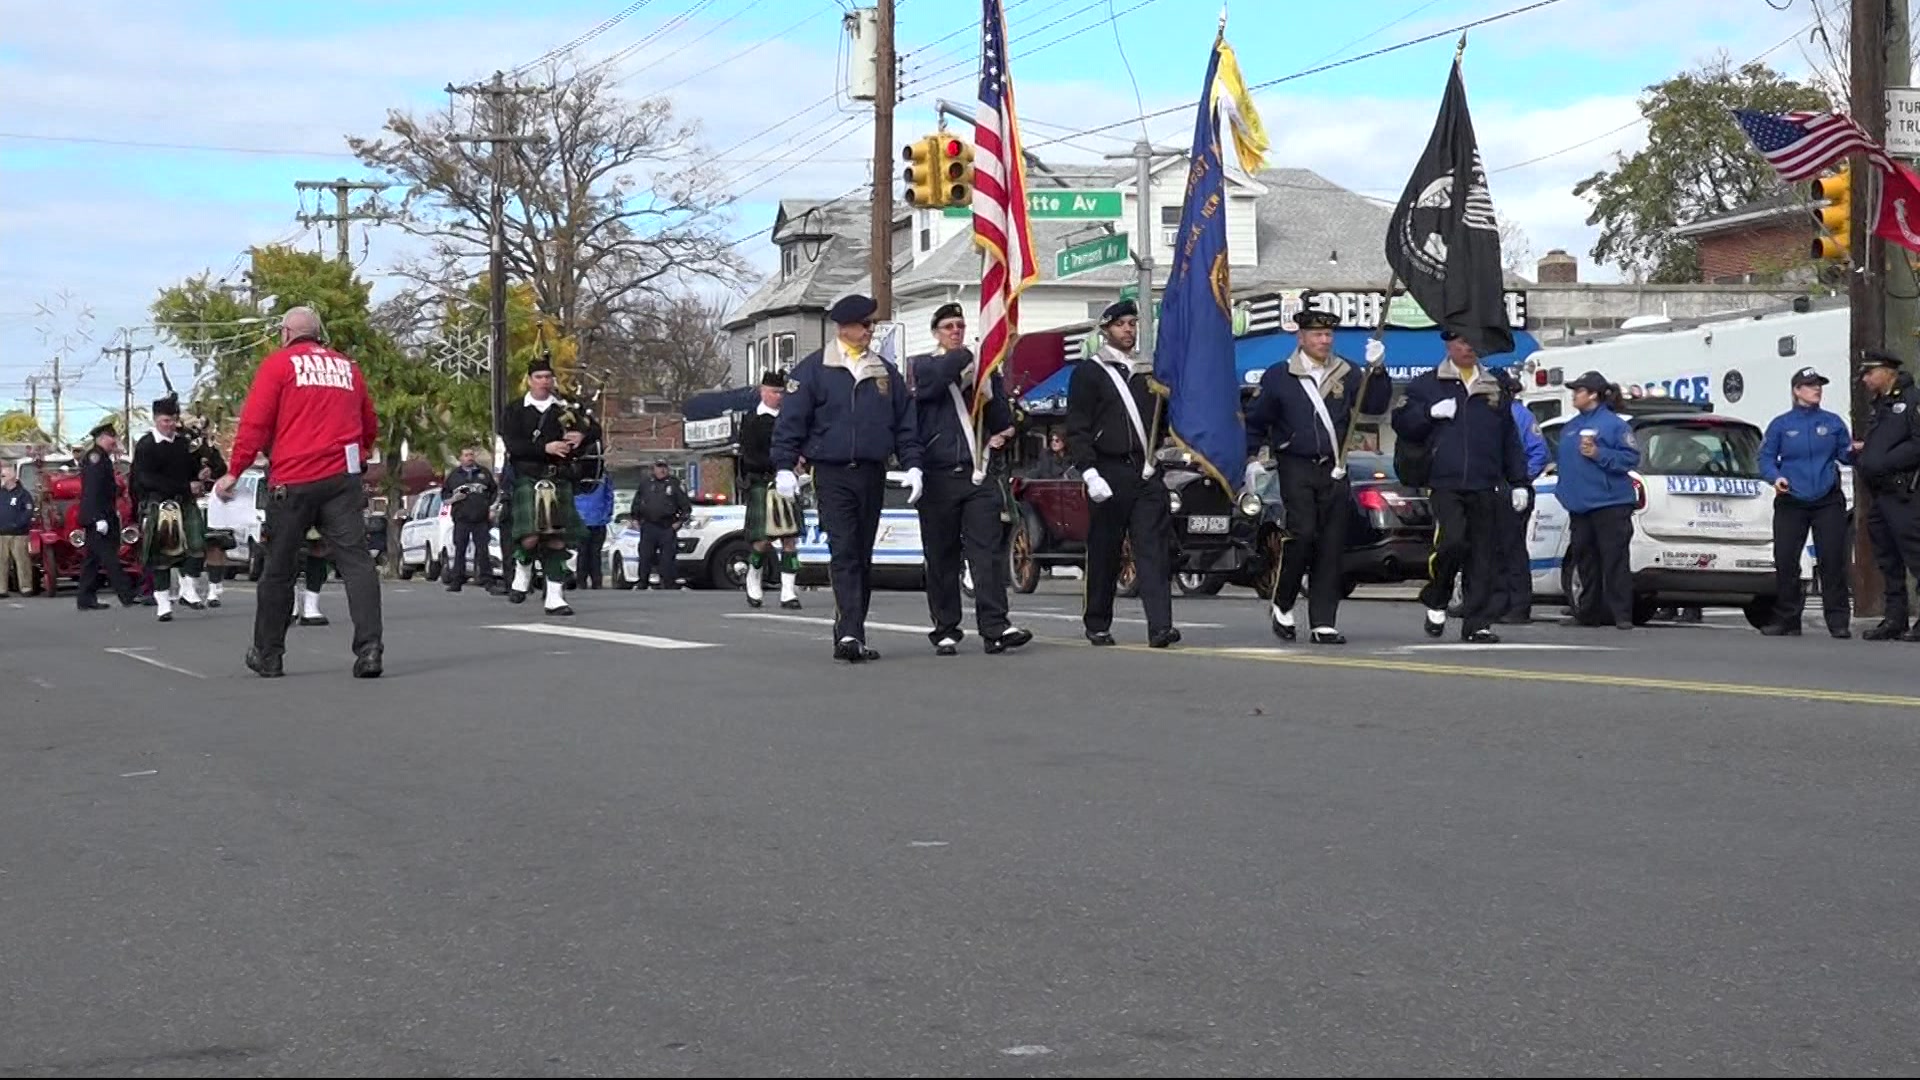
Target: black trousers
(1318, 508)
(471, 533)
(848, 500)
(1137, 514)
(961, 518)
(337, 507)
(1463, 542)
(588, 565)
(103, 555)
(1826, 517)
(1893, 522)
(1598, 544)
(1512, 569)
(659, 550)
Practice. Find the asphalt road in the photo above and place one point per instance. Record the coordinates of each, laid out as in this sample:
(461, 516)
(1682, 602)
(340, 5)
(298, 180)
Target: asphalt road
(673, 837)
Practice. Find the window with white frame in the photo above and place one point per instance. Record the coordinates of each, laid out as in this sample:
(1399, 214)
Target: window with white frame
(783, 347)
(789, 260)
(753, 364)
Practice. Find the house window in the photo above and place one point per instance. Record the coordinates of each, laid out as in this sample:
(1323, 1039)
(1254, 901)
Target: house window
(783, 351)
(789, 260)
(926, 239)
(753, 364)
(1169, 224)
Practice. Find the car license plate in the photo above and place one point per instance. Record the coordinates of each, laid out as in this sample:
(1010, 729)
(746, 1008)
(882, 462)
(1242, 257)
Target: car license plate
(1207, 523)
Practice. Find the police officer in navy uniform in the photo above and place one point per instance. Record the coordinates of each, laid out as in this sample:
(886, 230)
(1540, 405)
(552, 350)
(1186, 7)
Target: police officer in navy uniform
(1801, 457)
(1887, 459)
(847, 411)
(963, 509)
(100, 518)
(1110, 424)
(1302, 413)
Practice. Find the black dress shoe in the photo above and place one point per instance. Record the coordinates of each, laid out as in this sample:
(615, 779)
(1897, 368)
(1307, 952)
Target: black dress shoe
(1841, 632)
(92, 605)
(516, 597)
(1433, 629)
(562, 611)
(790, 605)
(367, 664)
(1100, 637)
(754, 601)
(1164, 639)
(868, 652)
(315, 620)
(1328, 637)
(1780, 630)
(1886, 631)
(267, 667)
(1283, 631)
(853, 652)
(1482, 636)
(1011, 638)
(946, 649)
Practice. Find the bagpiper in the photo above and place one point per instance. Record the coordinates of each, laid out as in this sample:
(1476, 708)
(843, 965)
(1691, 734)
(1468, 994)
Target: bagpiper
(543, 434)
(771, 516)
(166, 477)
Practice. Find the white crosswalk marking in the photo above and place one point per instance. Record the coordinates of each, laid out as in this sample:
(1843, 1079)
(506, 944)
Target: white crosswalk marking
(610, 637)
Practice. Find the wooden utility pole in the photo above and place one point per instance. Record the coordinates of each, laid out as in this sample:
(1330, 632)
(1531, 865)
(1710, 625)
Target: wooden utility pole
(33, 398)
(496, 94)
(1870, 285)
(341, 218)
(125, 351)
(881, 265)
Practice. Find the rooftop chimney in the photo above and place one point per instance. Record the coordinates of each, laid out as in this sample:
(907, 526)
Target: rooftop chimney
(1559, 268)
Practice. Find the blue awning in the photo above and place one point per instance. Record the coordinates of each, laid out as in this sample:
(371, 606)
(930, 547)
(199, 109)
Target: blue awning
(1410, 353)
(1049, 396)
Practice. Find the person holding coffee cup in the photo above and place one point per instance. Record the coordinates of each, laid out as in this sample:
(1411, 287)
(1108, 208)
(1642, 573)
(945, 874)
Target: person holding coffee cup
(1597, 493)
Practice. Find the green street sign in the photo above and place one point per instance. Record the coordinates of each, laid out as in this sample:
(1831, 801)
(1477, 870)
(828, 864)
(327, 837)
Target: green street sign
(1078, 205)
(1130, 292)
(957, 212)
(1092, 255)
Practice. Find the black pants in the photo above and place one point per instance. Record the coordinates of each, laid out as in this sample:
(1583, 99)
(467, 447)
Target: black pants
(659, 549)
(959, 517)
(1598, 544)
(1512, 569)
(1137, 514)
(1893, 522)
(474, 533)
(337, 507)
(1318, 508)
(588, 565)
(1827, 518)
(848, 502)
(103, 555)
(1463, 542)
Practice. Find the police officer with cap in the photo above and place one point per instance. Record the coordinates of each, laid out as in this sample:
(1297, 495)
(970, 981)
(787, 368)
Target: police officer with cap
(1111, 437)
(1887, 458)
(1302, 413)
(847, 411)
(100, 517)
(1801, 457)
(962, 511)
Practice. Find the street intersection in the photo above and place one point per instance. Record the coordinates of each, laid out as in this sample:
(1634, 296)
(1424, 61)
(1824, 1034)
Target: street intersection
(673, 837)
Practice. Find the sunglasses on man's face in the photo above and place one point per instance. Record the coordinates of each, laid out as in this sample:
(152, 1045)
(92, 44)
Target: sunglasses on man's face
(868, 323)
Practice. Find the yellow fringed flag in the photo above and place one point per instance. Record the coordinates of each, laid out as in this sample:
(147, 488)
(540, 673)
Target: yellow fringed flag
(1236, 107)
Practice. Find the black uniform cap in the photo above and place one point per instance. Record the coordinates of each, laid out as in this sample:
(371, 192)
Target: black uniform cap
(167, 406)
(947, 311)
(542, 364)
(775, 378)
(1879, 358)
(1592, 381)
(1311, 318)
(105, 428)
(852, 309)
(1118, 310)
(1807, 376)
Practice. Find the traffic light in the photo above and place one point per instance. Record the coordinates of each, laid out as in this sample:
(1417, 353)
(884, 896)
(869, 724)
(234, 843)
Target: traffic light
(922, 173)
(956, 172)
(1835, 218)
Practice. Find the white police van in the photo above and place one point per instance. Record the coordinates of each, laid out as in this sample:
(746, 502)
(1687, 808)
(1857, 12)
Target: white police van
(1702, 520)
(713, 548)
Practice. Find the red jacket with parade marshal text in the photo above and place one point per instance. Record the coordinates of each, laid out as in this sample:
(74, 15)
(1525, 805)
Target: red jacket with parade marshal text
(306, 406)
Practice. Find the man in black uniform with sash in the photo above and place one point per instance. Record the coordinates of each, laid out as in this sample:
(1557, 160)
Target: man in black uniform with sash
(1887, 459)
(542, 433)
(770, 515)
(166, 476)
(847, 412)
(964, 509)
(100, 519)
(1303, 412)
(1112, 432)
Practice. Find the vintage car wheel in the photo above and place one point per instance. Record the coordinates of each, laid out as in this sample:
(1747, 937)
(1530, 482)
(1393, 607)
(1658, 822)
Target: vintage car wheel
(1269, 578)
(1197, 584)
(1127, 582)
(1023, 570)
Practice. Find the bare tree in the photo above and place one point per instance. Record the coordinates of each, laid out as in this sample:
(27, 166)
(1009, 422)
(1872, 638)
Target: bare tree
(1516, 250)
(617, 209)
(671, 349)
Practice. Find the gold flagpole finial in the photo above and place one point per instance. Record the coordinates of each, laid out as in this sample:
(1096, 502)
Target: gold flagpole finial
(1223, 18)
(1460, 50)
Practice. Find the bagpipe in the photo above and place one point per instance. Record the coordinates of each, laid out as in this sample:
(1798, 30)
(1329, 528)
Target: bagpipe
(590, 457)
(205, 452)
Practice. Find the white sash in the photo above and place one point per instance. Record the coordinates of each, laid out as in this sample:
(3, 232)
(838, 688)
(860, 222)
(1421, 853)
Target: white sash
(1133, 414)
(966, 425)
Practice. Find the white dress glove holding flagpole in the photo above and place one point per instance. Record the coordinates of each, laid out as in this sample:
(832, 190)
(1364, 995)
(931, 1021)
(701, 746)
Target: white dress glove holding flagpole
(914, 485)
(1097, 488)
(1522, 498)
(1376, 352)
(100, 526)
(786, 483)
(1444, 410)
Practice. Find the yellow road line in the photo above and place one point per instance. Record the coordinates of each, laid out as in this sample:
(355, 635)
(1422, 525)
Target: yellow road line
(1637, 682)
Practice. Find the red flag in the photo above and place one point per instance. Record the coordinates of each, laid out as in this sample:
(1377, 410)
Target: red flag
(1899, 217)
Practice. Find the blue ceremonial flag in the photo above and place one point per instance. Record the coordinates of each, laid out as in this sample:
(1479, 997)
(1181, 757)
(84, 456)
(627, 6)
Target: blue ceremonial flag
(1193, 345)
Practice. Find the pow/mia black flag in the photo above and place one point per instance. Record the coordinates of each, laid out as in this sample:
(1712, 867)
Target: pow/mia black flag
(1443, 241)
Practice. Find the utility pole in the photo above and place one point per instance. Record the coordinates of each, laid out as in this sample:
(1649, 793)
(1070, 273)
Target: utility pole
(1867, 287)
(126, 351)
(340, 219)
(59, 414)
(496, 93)
(1143, 153)
(33, 398)
(880, 268)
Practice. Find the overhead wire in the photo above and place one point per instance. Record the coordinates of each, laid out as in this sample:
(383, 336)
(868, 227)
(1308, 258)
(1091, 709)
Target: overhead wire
(611, 22)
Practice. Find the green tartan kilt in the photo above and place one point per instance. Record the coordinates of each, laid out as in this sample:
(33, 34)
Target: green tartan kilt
(193, 526)
(759, 494)
(566, 517)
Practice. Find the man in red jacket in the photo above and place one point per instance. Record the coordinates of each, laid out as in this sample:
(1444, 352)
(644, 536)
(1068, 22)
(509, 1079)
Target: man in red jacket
(310, 412)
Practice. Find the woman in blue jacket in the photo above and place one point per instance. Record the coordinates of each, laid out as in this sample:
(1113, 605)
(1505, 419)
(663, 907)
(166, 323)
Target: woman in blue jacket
(1597, 452)
(596, 513)
(1801, 457)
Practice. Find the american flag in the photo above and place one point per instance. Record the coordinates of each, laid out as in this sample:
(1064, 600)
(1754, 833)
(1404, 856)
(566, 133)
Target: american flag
(1799, 145)
(1000, 225)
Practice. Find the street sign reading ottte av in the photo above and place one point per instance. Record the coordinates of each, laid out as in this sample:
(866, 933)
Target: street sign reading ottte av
(1052, 204)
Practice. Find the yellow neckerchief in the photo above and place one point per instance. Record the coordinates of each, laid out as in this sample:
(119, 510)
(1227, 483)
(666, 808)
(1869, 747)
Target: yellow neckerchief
(862, 364)
(1479, 381)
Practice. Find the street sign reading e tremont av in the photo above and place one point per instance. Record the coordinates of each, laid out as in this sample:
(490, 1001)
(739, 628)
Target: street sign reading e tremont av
(1063, 203)
(1091, 255)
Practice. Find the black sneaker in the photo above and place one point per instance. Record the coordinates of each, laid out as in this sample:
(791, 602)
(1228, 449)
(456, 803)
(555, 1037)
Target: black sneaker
(267, 667)
(367, 665)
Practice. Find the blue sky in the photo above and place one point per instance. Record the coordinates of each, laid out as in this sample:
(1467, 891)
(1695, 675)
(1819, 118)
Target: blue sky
(111, 224)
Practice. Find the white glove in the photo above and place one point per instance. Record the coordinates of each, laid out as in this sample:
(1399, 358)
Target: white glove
(914, 484)
(100, 526)
(1444, 410)
(1252, 479)
(1522, 498)
(786, 483)
(1097, 488)
(1376, 352)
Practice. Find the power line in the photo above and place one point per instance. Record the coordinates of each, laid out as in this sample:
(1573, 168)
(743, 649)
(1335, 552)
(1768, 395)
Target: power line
(608, 24)
(755, 47)
(668, 27)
